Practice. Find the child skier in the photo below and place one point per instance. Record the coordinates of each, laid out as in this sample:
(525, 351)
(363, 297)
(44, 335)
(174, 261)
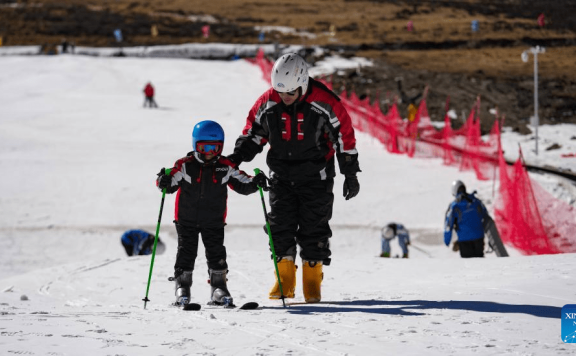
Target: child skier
(389, 232)
(201, 179)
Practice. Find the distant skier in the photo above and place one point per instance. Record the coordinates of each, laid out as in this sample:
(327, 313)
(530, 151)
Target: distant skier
(465, 214)
(149, 96)
(201, 179)
(140, 242)
(389, 232)
(411, 101)
(308, 129)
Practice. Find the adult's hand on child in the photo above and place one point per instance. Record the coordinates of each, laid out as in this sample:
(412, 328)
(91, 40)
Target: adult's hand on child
(235, 158)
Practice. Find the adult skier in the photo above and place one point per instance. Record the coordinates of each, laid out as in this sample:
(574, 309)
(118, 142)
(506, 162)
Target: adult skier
(465, 214)
(201, 179)
(307, 127)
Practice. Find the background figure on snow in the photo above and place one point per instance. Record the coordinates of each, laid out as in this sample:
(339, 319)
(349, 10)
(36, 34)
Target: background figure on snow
(411, 101)
(140, 242)
(389, 232)
(149, 96)
(308, 128)
(202, 179)
(465, 215)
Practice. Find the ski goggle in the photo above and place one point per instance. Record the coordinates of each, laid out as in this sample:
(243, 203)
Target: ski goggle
(291, 93)
(205, 148)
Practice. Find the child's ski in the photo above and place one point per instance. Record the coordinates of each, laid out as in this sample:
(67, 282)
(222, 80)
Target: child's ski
(188, 306)
(245, 306)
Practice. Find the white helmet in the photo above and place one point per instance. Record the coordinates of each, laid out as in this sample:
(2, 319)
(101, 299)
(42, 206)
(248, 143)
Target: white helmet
(457, 185)
(289, 73)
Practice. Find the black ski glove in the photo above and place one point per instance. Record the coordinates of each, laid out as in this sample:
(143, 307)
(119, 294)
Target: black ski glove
(164, 181)
(236, 158)
(351, 187)
(261, 180)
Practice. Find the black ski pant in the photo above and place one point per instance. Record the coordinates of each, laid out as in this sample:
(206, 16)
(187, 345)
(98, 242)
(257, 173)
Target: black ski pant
(213, 239)
(474, 248)
(300, 214)
(150, 101)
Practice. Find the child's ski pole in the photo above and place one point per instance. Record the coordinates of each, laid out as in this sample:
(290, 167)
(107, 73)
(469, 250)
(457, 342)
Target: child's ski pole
(146, 300)
(257, 171)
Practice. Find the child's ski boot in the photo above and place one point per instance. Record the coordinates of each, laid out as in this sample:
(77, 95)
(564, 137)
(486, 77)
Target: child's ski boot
(220, 293)
(287, 272)
(312, 278)
(183, 284)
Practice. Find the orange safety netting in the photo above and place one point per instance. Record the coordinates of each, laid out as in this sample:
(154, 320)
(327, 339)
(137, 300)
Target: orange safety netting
(528, 217)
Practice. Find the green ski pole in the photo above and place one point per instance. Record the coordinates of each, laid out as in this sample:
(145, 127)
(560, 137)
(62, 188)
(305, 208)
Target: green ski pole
(257, 171)
(146, 300)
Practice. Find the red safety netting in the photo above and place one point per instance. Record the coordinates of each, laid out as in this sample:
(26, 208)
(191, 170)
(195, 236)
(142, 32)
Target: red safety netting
(528, 217)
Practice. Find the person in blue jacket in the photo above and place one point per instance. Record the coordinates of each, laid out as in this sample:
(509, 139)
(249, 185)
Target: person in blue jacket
(389, 232)
(139, 242)
(465, 214)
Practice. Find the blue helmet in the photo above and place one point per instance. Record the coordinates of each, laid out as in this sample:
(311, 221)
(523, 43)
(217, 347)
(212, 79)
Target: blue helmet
(207, 131)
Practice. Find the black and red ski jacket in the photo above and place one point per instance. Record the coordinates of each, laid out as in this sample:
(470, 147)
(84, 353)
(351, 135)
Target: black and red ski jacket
(303, 137)
(203, 190)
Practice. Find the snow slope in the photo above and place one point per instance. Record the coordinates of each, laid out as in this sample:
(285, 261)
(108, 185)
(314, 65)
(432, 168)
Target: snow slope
(78, 156)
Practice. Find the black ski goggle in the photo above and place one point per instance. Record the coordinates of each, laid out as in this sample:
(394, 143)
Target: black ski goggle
(291, 93)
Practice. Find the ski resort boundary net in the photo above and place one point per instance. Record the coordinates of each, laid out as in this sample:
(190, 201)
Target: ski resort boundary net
(528, 217)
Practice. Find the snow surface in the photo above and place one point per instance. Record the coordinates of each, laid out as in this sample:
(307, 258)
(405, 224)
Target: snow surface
(79, 157)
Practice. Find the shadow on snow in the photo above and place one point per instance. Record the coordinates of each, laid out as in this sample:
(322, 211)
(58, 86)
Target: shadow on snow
(408, 307)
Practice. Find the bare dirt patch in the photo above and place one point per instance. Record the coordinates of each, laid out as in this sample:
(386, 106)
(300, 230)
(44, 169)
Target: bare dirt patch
(441, 51)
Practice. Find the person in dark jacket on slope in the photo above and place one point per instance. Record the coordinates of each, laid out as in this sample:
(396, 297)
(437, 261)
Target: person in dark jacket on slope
(201, 180)
(465, 214)
(139, 242)
(307, 128)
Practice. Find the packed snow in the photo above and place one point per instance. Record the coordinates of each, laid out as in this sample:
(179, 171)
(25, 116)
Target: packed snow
(79, 156)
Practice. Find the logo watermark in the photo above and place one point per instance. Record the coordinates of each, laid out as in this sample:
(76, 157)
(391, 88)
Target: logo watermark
(569, 323)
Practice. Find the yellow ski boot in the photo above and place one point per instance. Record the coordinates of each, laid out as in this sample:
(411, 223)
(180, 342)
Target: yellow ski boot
(287, 271)
(312, 278)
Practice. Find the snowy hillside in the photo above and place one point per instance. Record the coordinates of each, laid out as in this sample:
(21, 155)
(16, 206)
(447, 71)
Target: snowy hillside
(79, 155)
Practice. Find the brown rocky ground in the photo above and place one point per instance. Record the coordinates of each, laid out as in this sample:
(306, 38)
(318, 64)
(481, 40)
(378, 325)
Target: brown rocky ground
(441, 52)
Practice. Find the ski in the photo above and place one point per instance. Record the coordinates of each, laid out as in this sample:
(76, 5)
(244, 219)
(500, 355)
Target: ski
(249, 306)
(245, 306)
(191, 307)
(188, 306)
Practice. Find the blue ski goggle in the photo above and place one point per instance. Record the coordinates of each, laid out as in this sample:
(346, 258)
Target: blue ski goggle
(205, 148)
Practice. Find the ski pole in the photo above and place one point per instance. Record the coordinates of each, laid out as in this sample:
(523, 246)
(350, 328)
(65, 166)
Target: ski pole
(257, 171)
(146, 300)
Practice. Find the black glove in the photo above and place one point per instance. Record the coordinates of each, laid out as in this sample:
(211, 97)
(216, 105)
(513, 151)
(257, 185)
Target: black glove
(164, 181)
(261, 180)
(236, 158)
(351, 187)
